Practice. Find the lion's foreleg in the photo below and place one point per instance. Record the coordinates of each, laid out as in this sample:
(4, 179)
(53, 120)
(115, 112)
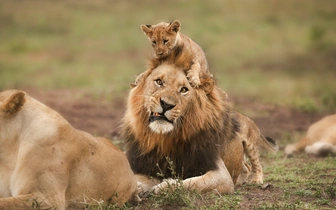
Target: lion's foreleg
(246, 169)
(218, 181)
(145, 184)
(28, 201)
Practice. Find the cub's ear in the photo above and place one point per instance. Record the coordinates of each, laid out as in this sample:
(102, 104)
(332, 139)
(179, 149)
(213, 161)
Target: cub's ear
(146, 29)
(174, 26)
(207, 84)
(13, 103)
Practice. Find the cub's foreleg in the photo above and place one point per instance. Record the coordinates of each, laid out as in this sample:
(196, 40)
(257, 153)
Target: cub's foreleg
(193, 75)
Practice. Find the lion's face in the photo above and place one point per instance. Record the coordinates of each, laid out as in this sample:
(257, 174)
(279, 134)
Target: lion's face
(162, 36)
(168, 95)
(163, 108)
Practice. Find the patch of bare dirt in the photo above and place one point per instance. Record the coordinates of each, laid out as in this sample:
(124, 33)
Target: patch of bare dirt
(83, 111)
(102, 118)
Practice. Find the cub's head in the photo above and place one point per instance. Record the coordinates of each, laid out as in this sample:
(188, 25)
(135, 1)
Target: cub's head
(163, 36)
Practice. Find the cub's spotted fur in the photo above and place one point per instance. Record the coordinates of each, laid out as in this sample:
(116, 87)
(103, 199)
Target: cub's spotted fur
(252, 138)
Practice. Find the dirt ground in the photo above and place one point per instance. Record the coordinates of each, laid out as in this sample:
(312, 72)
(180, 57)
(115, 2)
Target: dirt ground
(102, 118)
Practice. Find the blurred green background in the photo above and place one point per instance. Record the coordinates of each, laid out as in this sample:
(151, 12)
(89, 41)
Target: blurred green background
(281, 52)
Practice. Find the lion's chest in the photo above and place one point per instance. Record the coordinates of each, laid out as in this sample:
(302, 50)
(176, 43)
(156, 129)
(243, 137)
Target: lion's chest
(194, 158)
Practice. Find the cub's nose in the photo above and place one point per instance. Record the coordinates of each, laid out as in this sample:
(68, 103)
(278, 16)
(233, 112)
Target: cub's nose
(166, 106)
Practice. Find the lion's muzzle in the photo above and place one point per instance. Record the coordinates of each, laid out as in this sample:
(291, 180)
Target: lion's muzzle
(159, 122)
(157, 116)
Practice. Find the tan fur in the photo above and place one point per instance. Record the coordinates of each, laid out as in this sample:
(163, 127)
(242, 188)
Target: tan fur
(196, 109)
(320, 139)
(252, 138)
(44, 160)
(168, 42)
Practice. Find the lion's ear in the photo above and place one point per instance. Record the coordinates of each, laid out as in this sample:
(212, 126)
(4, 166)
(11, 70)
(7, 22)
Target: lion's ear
(174, 26)
(13, 103)
(207, 84)
(146, 29)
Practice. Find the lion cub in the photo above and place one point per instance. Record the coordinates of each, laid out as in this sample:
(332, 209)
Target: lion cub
(168, 43)
(252, 138)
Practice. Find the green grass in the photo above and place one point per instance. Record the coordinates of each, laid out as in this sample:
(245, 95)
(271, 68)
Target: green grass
(278, 52)
(301, 182)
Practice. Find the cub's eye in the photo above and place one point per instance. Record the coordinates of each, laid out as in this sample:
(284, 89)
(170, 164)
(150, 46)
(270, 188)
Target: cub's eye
(184, 90)
(165, 41)
(158, 82)
(153, 43)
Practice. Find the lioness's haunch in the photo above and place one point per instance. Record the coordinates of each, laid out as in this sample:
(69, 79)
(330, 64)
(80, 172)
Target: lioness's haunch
(45, 161)
(320, 139)
(194, 128)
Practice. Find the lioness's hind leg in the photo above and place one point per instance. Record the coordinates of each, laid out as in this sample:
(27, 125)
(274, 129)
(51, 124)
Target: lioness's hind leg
(24, 202)
(321, 149)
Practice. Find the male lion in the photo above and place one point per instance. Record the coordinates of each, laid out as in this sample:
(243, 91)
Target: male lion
(168, 43)
(193, 128)
(320, 139)
(46, 163)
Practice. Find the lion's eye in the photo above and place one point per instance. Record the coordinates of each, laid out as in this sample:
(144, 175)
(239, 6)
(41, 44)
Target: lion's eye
(184, 90)
(153, 43)
(165, 41)
(158, 82)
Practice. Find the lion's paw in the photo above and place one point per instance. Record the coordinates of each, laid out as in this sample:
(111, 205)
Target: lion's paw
(165, 184)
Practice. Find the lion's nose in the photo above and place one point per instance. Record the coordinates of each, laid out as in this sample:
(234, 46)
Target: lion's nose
(166, 106)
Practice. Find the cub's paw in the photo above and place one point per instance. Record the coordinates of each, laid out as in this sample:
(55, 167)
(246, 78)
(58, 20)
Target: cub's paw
(255, 179)
(193, 79)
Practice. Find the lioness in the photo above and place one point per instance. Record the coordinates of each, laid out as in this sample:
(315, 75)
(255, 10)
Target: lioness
(194, 128)
(320, 139)
(168, 42)
(46, 163)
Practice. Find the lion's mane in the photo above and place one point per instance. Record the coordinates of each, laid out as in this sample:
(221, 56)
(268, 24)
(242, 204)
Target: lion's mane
(195, 143)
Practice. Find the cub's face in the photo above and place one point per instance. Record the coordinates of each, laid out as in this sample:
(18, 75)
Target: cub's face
(163, 37)
(168, 97)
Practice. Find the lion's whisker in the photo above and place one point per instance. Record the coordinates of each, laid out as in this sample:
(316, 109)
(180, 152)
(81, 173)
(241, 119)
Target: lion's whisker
(142, 95)
(188, 122)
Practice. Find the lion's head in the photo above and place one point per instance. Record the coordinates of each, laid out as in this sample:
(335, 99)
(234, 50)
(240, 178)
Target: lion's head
(164, 110)
(163, 37)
